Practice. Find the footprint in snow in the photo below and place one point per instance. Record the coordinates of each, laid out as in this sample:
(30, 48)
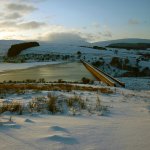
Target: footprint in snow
(28, 120)
(60, 135)
(65, 139)
(57, 128)
(11, 125)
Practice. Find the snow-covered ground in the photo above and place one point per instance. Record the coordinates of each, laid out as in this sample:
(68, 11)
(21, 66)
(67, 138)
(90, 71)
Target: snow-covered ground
(145, 64)
(125, 127)
(136, 83)
(58, 48)
(14, 66)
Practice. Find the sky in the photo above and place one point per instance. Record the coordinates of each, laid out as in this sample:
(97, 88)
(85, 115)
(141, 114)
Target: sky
(77, 20)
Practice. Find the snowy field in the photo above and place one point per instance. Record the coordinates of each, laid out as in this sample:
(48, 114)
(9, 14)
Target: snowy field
(125, 126)
(136, 83)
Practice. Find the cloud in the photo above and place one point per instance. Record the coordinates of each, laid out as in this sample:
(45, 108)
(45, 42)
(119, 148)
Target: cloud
(9, 25)
(107, 34)
(32, 1)
(20, 7)
(74, 37)
(133, 22)
(31, 25)
(13, 10)
(22, 1)
(13, 16)
(96, 25)
(56, 34)
(64, 37)
(96, 36)
(1, 14)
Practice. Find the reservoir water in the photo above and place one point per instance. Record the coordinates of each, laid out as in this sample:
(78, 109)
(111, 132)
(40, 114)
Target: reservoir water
(68, 71)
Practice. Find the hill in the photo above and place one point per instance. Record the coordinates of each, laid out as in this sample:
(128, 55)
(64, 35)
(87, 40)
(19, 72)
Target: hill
(128, 40)
(16, 49)
(6, 44)
(128, 46)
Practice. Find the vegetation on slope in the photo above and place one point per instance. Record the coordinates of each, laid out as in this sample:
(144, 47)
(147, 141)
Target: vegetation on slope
(99, 48)
(16, 49)
(128, 46)
(95, 47)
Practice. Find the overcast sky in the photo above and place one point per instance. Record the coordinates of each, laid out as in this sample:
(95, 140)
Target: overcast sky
(91, 20)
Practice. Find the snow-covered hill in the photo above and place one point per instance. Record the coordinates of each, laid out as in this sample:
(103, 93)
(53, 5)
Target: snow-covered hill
(129, 40)
(68, 47)
(45, 48)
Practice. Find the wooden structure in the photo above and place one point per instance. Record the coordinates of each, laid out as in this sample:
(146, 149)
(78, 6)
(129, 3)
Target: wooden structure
(102, 76)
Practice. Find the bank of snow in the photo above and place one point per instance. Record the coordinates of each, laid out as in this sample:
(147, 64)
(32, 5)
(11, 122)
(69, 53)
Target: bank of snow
(125, 127)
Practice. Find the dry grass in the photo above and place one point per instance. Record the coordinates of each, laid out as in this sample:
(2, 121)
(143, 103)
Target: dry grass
(9, 88)
(99, 107)
(76, 101)
(73, 105)
(52, 103)
(37, 104)
(14, 106)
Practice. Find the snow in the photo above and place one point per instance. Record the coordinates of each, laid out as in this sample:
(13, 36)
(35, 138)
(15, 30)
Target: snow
(13, 66)
(125, 127)
(136, 83)
(58, 48)
(144, 64)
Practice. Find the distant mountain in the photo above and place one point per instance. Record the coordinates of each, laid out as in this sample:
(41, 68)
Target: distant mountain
(65, 43)
(59, 42)
(129, 46)
(46, 48)
(129, 40)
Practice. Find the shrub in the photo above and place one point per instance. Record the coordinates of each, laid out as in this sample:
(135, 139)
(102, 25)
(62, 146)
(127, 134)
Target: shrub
(99, 48)
(38, 104)
(98, 104)
(116, 62)
(76, 102)
(16, 107)
(78, 53)
(52, 103)
(100, 107)
(13, 106)
(60, 81)
(86, 80)
(98, 63)
(41, 80)
(3, 108)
